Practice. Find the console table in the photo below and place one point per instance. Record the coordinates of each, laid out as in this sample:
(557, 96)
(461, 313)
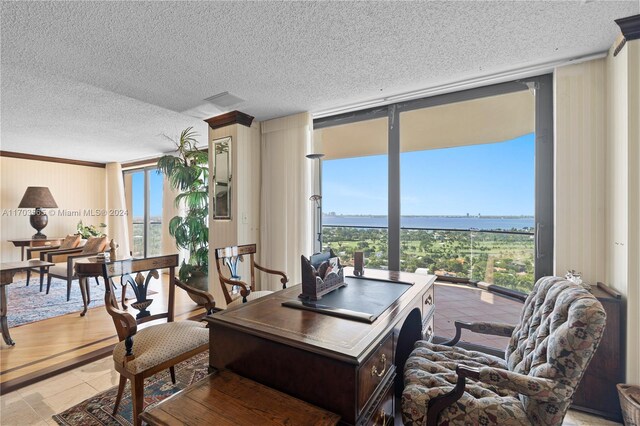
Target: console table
(35, 242)
(6, 277)
(344, 366)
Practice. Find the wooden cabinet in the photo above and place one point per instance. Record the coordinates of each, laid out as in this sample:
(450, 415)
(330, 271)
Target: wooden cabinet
(597, 392)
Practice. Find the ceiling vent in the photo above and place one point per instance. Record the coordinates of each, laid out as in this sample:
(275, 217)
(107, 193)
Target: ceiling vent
(224, 100)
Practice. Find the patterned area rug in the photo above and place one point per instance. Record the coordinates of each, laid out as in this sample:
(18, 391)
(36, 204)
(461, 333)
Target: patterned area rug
(28, 304)
(97, 409)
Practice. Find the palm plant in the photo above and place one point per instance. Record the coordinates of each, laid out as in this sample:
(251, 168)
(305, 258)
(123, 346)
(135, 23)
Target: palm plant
(188, 173)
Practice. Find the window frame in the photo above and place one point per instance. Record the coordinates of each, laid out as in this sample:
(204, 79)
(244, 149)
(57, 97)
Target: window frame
(147, 193)
(543, 169)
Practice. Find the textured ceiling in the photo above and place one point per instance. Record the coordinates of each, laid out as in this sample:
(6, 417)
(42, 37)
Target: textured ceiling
(280, 57)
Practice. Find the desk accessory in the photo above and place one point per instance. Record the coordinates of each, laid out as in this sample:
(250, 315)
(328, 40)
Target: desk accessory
(358, 263)
(321, 274)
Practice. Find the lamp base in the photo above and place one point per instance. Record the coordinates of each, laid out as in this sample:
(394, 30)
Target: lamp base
(39, 220)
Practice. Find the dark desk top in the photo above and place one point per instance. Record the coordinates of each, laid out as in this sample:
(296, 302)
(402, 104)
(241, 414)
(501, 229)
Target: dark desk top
(339, 337)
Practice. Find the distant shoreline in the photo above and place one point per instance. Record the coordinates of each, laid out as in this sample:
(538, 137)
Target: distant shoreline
(433, 216)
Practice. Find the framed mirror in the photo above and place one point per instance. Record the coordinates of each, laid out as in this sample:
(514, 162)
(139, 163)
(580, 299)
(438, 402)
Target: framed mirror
(222, 178)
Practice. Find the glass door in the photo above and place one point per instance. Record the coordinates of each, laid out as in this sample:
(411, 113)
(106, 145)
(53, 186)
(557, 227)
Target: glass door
(144, 190)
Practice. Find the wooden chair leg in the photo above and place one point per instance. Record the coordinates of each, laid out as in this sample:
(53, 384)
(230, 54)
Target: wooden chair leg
(49, 283)
(97, 282)
(68, 289)
(28, 276)
(172, 371)
(41, 278)
(137, 398)
(121, 384)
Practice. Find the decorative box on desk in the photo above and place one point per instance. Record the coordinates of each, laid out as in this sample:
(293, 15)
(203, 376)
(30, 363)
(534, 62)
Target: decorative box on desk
(320, 275)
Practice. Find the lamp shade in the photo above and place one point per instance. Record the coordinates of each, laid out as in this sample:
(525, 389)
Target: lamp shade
(37, 197)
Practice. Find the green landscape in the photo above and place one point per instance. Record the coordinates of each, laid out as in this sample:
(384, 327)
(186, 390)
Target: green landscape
(155, 237)
(504, 259)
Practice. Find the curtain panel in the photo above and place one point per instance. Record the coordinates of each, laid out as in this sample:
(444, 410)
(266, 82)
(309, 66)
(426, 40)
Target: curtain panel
(286, 213)
(117, 224)
(169, 211)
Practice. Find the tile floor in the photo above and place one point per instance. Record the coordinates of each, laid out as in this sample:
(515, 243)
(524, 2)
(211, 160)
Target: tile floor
(35, 404)
(463, 303)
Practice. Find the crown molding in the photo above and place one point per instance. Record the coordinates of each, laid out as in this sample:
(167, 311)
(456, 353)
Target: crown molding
(51, 159)
(630, 27)
(233, 117)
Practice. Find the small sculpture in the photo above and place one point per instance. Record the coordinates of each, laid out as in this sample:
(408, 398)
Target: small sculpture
(576, 277)
(113, 247)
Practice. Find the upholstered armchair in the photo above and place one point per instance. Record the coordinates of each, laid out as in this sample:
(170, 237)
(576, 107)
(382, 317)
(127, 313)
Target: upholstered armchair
(230, 256)
(65, 260)
(35, 253)
(559, 330)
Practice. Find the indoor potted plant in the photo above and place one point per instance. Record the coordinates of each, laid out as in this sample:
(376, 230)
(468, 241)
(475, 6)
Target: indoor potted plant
(188, 173)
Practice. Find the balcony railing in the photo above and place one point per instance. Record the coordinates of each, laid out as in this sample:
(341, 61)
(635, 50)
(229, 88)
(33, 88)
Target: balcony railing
(504, 258)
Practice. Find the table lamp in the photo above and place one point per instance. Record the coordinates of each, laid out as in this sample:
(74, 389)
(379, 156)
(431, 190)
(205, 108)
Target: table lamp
(38, 197)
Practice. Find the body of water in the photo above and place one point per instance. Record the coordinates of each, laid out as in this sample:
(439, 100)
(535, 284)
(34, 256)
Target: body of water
(444, 222)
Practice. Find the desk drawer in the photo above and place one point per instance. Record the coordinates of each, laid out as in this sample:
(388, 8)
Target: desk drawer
(384, 412)
(374, 370)
(427, 328)
(428, 302)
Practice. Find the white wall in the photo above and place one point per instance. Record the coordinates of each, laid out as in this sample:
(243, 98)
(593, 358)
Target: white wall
(623, 188)
(244, 225)
(580, 135)
(75, 189)
(597, 107)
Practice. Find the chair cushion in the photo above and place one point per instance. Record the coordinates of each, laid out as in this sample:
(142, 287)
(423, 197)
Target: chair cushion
(252, 296)
(70, 241)
(95, 245)
(59, 269)
(162, 342)
(430, 372)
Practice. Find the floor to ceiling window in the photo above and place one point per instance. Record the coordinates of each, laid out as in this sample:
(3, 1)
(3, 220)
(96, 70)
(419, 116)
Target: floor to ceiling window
(469, 184)
(354, 189)
(144, 189)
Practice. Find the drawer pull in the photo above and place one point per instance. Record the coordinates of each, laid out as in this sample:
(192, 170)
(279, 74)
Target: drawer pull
(382, 418)
(428, 333)
(374, 369)
(429, 300)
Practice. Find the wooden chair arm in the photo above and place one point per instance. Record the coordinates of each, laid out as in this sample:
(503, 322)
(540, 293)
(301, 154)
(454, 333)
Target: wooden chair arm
(246, 289)
(284, 280)
(496, 329)
(126, 325)
(58, 256)
(210, 302)
(39, 250)
(439, 403)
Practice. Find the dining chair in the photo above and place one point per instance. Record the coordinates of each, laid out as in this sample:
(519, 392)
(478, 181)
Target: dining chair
(230, 257)
(143, 352)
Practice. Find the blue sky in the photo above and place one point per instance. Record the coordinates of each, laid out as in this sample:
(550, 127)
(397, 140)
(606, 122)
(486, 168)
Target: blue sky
(488, 179)
(155, 187)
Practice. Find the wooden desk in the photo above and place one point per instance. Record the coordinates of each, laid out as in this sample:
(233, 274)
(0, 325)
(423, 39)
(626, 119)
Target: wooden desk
(344, 366)
(225, 398)
(37, 242)
(6, 277)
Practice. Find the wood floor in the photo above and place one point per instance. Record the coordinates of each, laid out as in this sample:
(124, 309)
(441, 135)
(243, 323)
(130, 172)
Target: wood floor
(48, 347)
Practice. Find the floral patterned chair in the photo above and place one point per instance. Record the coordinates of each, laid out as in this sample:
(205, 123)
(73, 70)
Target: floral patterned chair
(559, 330)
